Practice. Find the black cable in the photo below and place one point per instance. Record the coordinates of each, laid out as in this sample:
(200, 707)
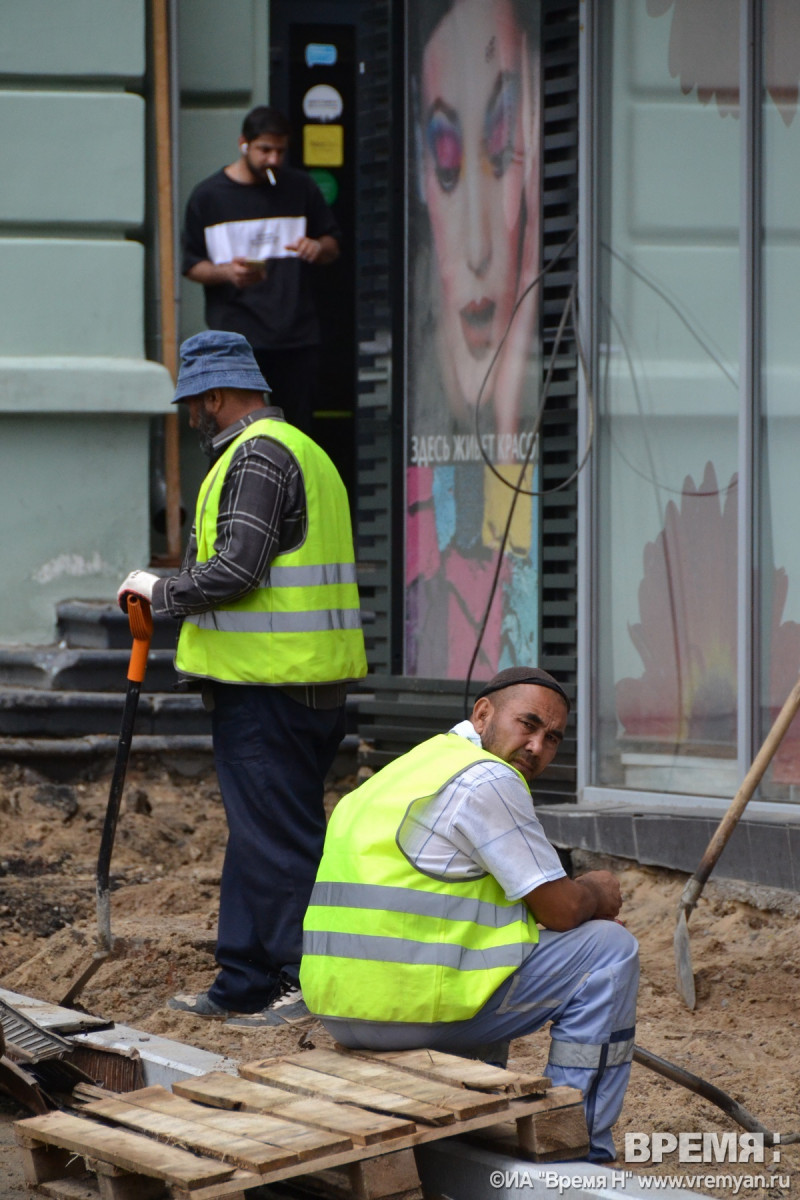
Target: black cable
(523, 295)
(664, 295)
(517, 488)
(651, 478)
(709, 1091)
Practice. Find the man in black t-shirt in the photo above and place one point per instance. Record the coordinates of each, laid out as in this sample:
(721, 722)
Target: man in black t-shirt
(251, 232)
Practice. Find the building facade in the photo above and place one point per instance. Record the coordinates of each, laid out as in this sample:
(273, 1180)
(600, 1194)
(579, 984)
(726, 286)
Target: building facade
(569, 429)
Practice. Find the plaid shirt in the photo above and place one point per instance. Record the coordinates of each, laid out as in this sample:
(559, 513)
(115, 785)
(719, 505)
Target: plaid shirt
(262, 513)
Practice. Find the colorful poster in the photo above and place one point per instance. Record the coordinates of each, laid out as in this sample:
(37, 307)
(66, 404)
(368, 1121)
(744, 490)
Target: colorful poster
(473, 367)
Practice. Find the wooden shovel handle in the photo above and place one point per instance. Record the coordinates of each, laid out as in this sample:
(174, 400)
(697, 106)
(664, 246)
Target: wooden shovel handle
(749, 784)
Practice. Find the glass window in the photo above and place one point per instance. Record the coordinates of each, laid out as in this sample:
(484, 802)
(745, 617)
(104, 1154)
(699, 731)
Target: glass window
(778, 542)
(668, 315)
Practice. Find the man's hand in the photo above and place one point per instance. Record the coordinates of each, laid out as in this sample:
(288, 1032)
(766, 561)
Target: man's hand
(321, 250)
(138, 583)
(566, 903)
(244, 272)
(605, 889)
(241, 272)
(306, 248)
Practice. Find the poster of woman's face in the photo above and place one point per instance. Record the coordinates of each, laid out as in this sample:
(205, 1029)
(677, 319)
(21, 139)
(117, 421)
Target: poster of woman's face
(472, 365)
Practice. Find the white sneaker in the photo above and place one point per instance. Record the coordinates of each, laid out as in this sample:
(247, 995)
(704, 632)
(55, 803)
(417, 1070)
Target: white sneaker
(286, 1010)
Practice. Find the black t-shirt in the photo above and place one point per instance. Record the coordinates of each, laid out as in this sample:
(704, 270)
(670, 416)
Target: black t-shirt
(224, 219)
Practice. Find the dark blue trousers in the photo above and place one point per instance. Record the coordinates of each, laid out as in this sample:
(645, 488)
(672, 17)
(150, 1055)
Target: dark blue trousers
(272, 755)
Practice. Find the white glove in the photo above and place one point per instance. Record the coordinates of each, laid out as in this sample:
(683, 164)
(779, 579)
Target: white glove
(138, 583)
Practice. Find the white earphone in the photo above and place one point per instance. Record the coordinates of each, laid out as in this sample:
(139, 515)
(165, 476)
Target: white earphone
(244, 147)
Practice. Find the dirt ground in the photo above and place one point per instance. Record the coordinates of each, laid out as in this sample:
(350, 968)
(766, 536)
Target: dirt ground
(744, 1035)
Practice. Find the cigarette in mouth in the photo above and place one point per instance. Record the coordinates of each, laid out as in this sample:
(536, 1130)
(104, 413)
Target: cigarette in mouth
(270, 176)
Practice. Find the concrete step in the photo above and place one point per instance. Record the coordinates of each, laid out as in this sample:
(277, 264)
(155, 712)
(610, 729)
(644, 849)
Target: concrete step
(60, 668)
(35, 712)
(61, 706)
(69, 758)
(101, 625)
(32, 713)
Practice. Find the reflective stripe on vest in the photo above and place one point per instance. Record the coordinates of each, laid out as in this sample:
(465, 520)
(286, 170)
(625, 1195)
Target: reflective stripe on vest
(303, 624)
(401, 950)
(269, 622)
(385, 942)
(317, 576)
(409, 900)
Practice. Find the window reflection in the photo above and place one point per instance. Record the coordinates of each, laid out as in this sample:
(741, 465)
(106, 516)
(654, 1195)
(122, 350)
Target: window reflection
(669, 305)
(669, 398)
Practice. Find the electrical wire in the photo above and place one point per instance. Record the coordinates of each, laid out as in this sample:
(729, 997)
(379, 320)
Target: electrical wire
(537, 421)
(663, 294)
(651, 478)
(517, 489)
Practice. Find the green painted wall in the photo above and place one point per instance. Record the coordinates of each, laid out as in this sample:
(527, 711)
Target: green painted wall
(99, 39)
(76, 393)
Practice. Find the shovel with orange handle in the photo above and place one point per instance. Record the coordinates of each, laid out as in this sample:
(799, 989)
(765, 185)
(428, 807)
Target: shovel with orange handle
(140, 620)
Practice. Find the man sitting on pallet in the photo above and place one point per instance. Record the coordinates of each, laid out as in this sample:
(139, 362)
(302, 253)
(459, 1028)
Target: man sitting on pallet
(423, 927)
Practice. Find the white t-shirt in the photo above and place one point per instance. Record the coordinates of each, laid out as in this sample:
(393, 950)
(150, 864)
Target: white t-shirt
(481, 823)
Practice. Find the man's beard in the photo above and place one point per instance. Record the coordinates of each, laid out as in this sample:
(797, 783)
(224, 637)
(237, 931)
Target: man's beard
(522, 760)
(207, 430)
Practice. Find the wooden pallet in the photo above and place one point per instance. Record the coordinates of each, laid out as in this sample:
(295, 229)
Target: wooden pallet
(218, 1135)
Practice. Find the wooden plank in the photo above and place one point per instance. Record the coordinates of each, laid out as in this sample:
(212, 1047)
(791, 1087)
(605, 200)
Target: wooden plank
(236, 1188)
(560, 1097)
(461, 1072)
(41, 1163)
(373, 1179)
(114, 1184)
(233, 1093)
(551, 1135)
(376, 1073)
(304, 1143)
(69, 1189)
(230, 1091)
(315, 1083)
(384, 1176)
(133, 1153)
(234, 1148)
(555, 1131)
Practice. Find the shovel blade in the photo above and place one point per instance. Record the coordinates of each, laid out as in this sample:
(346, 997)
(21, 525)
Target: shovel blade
(684, 975)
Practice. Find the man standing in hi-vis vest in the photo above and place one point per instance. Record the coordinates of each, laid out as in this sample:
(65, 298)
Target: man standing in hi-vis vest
(269, 603)
(423, 926)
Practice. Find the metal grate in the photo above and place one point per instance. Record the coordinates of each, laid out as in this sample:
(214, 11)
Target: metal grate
(559, 551)
(374, 326)
(25, 1040)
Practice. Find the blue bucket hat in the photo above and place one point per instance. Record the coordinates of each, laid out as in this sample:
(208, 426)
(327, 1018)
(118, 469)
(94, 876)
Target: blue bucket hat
(217, 359)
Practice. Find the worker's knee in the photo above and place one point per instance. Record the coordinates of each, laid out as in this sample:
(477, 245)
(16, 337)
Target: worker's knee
(611, 948)
(594, 944)
(618, 950)
(616, 940)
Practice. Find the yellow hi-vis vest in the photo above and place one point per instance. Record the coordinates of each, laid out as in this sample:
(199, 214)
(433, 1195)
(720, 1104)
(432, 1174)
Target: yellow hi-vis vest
(303, 624)
(384, 942)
